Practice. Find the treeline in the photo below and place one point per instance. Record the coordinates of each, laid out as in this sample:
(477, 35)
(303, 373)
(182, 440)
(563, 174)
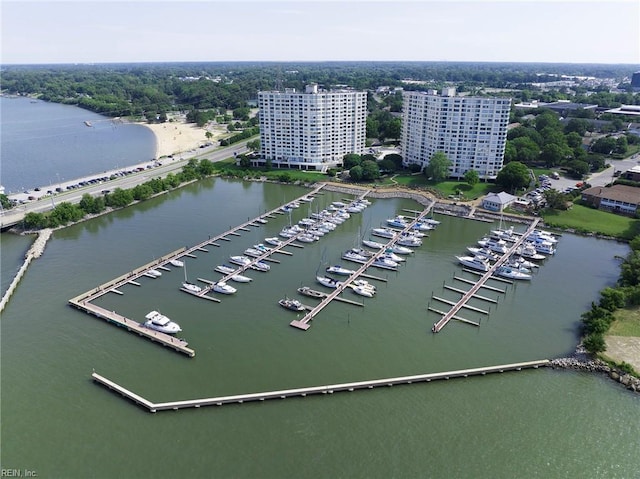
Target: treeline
(152, 89)
(626, 293)
(65, 213)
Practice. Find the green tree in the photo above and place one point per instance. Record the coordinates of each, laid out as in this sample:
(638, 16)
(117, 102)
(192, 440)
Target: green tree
(612, 299)
(594, 343)
(350, 160)
(394, 129)
(5, 202)
(356, 173)
(35, 221)
(254, 145)
(513, 176)
(370, 170)
(578, 168)
(119, 198)
(142, 192)
(574, 140)
(438, 167)
(472, 177)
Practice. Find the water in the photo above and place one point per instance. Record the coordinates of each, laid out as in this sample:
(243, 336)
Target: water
(534, 424)
(48, 143)
(547, 423)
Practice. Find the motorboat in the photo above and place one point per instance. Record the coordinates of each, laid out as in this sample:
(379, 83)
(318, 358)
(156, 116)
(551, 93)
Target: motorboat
(398, 249)
(253, 252)
(153, 273)
(388, 253)
(307, 199)
(408, 240)
(373, 244)
(362, 251)
(363, 283)
(159, 322)
(307, 222)
(431, 221)
(273, 241)
(177, 263)
(328, 282)
(544, 247)
(223, 288)
(384, 232)
(363, 291)
(261, 247)
(337, 269)
(338, 204)
(261, 221)
(523, 262)
(496, 245)
(420, 226)
(260, 266)
(292, 304)
(355, 257)
(240, 260)
(506, 235)
(191, 288)
(384, 261)
(398, 222)
(474, 262)
(528, 251)
(306, 238)
(227, 270)
(514, 264)
(511, 273)
(483, 253)
(542, 235)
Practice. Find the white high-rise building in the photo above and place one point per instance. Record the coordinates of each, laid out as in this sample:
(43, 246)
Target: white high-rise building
(471, 131)
(311, 130)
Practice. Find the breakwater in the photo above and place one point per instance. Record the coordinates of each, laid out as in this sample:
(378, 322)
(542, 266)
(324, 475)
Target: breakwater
(581, 360)
(36, 250)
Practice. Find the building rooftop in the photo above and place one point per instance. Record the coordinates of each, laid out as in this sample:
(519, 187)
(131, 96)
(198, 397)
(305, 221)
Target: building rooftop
(623, 193)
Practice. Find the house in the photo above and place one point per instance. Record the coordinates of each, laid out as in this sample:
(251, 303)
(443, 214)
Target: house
(498, 201)
(617, 198)
(632, 174)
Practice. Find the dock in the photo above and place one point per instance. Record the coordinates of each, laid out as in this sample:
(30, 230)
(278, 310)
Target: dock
(437, 327)
(304, 323)
(314, 390)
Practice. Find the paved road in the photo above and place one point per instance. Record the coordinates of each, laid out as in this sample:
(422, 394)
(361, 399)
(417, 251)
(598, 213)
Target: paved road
(45, 202)
(601, 178)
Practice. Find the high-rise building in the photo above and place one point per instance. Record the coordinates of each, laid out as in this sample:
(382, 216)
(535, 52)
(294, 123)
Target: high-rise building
(311, 130)
(635, 80)
(470, 131)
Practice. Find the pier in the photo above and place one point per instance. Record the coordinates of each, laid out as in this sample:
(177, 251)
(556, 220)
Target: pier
(437, 327)
(304, 323)
(303, 392)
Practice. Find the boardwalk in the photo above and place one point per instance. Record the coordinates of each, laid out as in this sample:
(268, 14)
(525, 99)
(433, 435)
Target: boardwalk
(303, 392)
(437, 327)
(304, 323)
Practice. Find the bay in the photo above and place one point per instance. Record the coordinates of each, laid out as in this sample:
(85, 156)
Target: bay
(47, 143)
(513, 425)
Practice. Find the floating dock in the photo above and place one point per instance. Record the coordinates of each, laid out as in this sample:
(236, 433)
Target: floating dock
(303, 392)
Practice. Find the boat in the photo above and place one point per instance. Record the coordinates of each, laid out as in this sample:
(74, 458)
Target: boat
(384, 233)
(306, 238)
(523, 262)
(153, 273)
(363, 291)
(474, 262)
(363, 283)
(253, 252)
(261, 247)
(273, 241)
(292, 304)
(398, 222)
(307, 199)
(431, 221)
(506, 235)
(223, 288)
(328, 282)
(420, 226)
(496, 245)
(483, 253)
(159, 322)
(399, 249)
(542, 235)
(260, 266)
(511, 273)
(337, 269)
(408, 240)
(363, 252)
(190, 287)
(240, 260)
(384, 262)
(355, 257)
(544, 247)
(307, 291)
(529, 252)
(261, 221)
(373, 244)
(177, 263)
(226, 270)
(388, 253)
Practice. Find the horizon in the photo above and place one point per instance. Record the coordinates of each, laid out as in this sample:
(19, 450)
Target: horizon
(498, 31)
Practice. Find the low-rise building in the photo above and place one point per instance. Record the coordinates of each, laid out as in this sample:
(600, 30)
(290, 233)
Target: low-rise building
(498, 201)
(620, 199)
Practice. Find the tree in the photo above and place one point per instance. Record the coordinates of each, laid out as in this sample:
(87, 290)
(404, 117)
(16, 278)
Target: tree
(552, 155)
(119, 198)
(438, 167)
(35, 221)
(472, 177)
(513, 176)
(527, 149)
(397, 160)
(370, 170)
(355, 173)
(594, 343)
(254, 145)
(574, 140)
(578, 168)
(394, 129)
(5, 202)
(350, 160)
(577, 125)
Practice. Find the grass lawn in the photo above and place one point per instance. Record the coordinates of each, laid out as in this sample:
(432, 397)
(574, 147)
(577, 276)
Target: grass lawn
(459, 189)
(627, 323)
(586, 219)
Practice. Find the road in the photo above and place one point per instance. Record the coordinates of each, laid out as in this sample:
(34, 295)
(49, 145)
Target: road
(45, 202)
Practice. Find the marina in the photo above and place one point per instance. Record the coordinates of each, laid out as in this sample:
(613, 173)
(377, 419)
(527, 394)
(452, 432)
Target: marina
(314, 390)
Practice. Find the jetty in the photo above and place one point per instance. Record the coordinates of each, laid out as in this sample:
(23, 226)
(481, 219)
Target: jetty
(304, 322)
(313, 390)
(472, 292)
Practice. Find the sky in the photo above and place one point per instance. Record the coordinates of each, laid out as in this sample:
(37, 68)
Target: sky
(91, 31)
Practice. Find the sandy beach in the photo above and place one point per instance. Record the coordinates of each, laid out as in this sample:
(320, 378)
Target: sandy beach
(177, 136)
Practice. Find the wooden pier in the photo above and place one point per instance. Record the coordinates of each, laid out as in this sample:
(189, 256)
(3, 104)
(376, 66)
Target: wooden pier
(437, 327)
(304, 323)
(307, 391)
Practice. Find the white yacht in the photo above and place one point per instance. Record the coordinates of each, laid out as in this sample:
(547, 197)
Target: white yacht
(223, 288)
(483, 253)
(238, 278)
(355, 257)
(153, 273)
(408, 240)
(373, 244)
(384, 232)
(337, 269)
(474, 262)
(328, 282)
(160, 322)
(496, 245)
(273, 241)
(511, 273)
(384, 262)
(177, 263)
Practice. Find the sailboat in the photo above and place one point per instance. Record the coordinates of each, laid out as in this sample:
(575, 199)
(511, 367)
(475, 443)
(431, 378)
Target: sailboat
(190, 287)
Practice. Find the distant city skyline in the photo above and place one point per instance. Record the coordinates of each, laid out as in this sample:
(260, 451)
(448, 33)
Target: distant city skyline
(547, 31)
